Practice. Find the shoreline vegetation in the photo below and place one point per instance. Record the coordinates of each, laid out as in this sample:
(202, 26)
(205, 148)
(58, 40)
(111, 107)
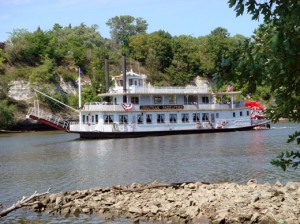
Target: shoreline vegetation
(191, 202)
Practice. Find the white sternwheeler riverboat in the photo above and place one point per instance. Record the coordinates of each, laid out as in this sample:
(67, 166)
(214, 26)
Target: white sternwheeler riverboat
(134, 108)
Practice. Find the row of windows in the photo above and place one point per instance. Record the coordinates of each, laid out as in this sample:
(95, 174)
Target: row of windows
(172, 100)
(88, 119)
(161, 118)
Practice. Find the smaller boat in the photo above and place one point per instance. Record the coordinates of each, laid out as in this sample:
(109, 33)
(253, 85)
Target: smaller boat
(257, 114)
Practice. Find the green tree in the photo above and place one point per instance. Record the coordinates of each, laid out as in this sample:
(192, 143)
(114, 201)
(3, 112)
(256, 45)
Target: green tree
(7, 110)
(43, 74)
(220, 31)
(276, 44)
(159, 55)
(184, 65)
(2, 62)
(124, 27)
(139, 47)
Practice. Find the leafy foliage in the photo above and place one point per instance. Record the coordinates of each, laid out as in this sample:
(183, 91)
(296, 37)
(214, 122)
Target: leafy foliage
(124, 27)
(7, 110)
(273, 59)
(287, 159)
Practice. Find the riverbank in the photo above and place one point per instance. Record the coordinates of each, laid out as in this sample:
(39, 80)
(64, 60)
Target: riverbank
(196, 202)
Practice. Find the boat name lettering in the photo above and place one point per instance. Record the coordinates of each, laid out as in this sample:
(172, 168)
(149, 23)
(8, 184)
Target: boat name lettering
(162, 107)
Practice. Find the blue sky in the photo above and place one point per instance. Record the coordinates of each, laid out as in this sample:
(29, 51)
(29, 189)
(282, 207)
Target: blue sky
(189, 17)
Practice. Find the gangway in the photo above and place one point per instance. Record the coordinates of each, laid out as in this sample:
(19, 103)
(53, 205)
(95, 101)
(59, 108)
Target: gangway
(36, 113)
(48, 118)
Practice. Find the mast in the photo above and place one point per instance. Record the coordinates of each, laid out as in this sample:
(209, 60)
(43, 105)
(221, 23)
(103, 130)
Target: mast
(106, 74)
(124, 79)
(79, 98)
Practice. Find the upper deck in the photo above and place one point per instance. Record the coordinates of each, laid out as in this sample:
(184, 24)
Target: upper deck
(141, 95)
(136, 85)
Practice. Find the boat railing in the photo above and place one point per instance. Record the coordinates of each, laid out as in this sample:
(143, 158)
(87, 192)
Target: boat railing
(75, 125)
(51, 119)
(161, 89)
(236, 123)
(136, 107)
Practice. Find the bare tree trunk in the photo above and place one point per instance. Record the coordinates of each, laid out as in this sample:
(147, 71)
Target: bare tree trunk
(23, 202)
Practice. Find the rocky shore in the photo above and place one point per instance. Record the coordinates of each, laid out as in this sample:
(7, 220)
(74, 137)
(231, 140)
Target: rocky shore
(196, 202)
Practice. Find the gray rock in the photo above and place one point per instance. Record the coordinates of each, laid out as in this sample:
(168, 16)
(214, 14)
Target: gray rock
(154, 209)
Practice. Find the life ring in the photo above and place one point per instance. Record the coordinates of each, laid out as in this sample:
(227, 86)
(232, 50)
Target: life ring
(127, 106)
(224, 122)
(199, 125)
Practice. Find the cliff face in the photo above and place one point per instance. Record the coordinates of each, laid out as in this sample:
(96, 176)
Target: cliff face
(20, 90)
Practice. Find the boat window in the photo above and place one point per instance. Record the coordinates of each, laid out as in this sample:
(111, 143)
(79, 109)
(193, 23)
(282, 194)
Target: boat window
(196, 117)
(130, 82)
(134, 100)
(108, 119)
(149, 118)
(185, 118)
(173, 118)
(217, 115)
(172, 99)
(92, 119)
(191, 100)
(205, 117)
(205, 100)
(241, 113)
(157, 100)
(248, 113)
(212, 118)
(140, 118)
(83, 119)
(140, 82)
(96, 118)
(160, 118)
(123, 119)
(233, 114)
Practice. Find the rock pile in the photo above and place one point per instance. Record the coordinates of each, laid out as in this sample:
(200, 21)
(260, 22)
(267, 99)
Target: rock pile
(196, 202)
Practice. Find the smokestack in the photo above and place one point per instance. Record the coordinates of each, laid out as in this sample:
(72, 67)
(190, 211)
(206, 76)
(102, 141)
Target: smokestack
(124, 77)
(106, 75)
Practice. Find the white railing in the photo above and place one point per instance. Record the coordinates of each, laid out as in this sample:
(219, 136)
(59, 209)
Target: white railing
(48, 117)
(117, 107)
(161, 89)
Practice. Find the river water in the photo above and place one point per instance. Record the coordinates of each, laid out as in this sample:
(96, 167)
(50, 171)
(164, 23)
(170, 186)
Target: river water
(39, 160)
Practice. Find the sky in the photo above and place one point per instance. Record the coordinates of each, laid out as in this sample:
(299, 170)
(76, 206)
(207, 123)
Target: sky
(177, 17)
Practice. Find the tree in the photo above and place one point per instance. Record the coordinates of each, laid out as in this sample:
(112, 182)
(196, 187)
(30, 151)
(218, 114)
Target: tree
(277, 44)
(184, 65)
(124, 27)
(220, 31)
(139, 47)
(159, 55)
(7, 110)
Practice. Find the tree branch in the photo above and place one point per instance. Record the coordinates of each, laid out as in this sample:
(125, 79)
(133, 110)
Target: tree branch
(23, 202)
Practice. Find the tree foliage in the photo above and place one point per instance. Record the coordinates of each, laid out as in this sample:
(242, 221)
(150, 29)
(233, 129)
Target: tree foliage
(272, 58)
(124, 27)
(7, 110)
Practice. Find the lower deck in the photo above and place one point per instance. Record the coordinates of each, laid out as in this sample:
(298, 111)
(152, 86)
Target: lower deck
(149, 121)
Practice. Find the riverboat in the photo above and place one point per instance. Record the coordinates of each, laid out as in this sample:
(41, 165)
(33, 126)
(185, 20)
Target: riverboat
(132, 107)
